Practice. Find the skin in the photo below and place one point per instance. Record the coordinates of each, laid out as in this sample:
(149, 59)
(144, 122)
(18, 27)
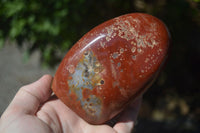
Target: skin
(35, 110)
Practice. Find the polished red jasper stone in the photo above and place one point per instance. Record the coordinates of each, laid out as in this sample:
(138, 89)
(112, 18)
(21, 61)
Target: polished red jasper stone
(111, 65)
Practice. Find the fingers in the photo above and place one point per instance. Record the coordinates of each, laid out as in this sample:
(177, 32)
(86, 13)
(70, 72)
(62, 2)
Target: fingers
(128, 117)
(124, 127)
(29, 97)
(98, 129)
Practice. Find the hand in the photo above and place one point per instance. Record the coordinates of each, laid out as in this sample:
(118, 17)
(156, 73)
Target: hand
(34, 110)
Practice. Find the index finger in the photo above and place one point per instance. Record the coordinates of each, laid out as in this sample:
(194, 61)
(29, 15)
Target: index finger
(128, 117)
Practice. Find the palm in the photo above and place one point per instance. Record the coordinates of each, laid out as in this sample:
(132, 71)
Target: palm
(59, 117)
(33, 110)
(55, 114)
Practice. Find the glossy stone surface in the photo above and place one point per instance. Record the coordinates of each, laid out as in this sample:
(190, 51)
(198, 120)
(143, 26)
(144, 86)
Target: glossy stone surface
(111, 65)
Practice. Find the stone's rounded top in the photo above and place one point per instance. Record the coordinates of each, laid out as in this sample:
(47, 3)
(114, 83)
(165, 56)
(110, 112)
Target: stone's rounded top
(111, 65)
(130, 27)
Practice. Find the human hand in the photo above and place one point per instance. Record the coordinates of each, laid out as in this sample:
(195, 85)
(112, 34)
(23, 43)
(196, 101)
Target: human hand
(34, 110)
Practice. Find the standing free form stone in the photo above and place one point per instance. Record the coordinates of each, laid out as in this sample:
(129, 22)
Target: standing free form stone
(111, 65)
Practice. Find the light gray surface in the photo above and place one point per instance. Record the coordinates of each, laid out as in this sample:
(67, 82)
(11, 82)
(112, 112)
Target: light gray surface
(15, 72)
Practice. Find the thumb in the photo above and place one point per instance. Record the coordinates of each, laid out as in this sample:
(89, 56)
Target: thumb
(30, 97)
